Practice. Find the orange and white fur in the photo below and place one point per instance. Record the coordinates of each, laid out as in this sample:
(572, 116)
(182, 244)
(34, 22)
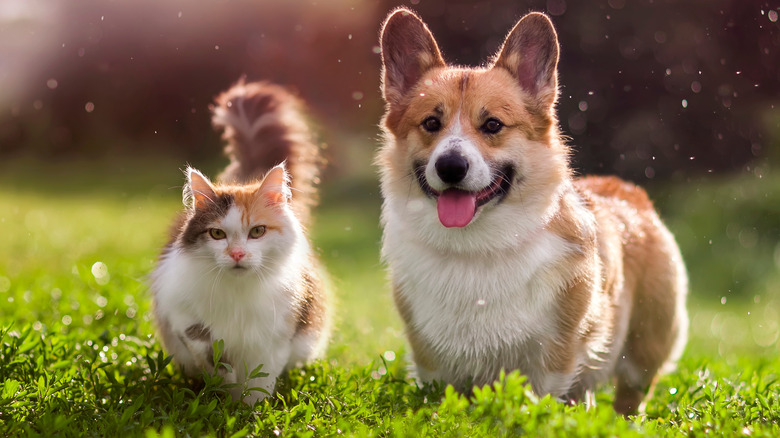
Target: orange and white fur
(239, 267)
(499, 257)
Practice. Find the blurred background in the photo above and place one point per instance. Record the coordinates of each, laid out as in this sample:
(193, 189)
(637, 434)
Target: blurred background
(650, 89)
(682, 97)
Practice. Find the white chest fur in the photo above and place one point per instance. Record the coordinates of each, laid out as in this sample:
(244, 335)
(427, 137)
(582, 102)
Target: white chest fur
(480, 312)
(251, 315)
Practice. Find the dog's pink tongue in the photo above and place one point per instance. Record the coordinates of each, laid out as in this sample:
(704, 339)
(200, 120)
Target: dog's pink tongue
(456, 208)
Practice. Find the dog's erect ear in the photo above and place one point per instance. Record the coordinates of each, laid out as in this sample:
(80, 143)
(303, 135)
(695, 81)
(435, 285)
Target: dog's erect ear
(408, 51)
(530, 52)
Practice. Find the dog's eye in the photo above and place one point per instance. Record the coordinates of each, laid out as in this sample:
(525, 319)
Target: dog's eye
(492, 126)
(431, 124)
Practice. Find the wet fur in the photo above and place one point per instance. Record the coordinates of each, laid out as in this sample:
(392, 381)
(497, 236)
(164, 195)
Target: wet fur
(573, 281)
(269, 306)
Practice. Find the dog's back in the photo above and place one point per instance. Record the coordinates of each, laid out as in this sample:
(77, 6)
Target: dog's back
(653, 276)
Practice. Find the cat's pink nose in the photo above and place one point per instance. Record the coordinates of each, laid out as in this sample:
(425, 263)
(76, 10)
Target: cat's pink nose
(237, 254)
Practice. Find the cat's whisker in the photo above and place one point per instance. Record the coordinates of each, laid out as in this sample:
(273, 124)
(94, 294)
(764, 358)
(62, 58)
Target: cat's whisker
(214, 284)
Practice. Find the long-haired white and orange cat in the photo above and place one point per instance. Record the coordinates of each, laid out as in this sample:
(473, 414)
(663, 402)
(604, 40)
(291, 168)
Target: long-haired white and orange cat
(239, 267)
(499, 257)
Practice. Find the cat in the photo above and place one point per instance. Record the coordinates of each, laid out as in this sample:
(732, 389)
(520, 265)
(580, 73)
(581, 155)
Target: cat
(238, 266)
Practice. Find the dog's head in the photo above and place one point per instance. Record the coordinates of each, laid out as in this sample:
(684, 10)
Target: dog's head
(471, 139)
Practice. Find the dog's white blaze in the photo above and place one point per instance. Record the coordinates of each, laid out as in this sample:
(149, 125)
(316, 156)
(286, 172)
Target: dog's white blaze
(478, 176)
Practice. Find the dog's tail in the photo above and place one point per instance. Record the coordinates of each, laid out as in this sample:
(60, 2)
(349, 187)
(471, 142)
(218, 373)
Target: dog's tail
(264, 125)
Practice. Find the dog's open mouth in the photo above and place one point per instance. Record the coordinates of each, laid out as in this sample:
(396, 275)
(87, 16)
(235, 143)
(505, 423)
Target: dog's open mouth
(456, 207)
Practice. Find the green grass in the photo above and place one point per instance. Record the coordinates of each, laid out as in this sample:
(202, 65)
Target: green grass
(78, 354)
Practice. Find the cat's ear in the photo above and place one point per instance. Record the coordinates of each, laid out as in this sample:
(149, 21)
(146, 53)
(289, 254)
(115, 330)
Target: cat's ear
(275, 188)
(198, 192)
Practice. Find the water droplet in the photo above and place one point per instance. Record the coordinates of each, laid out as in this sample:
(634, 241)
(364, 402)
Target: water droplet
(556, 7)
(99, 269)
(89, 107)
(685, 103)
(389, 355)
(723, 300)
(100, 272)
(772, 15)
(583, 106)
(51, 83)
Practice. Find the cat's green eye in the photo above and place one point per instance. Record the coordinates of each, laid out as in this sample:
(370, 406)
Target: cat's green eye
(257, 231)
(217, 234)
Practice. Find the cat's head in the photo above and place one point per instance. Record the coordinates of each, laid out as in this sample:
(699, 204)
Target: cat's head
(239, 228)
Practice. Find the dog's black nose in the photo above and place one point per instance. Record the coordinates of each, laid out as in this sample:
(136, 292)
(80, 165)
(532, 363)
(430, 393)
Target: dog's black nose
(452, 168)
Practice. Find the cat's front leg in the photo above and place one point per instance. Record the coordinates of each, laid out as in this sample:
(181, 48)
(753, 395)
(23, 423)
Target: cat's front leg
(264, 384)
(188, 342)
(195, 353)
(258, 388)
(200, 345)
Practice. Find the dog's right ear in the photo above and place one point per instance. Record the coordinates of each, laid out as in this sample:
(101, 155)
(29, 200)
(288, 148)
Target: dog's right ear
(408, 51)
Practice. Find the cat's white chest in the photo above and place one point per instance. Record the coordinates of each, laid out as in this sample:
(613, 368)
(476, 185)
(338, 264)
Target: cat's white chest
(240, 309)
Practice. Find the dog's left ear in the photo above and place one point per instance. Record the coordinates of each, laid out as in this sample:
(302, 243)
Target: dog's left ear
(408, 52)
(530, 53)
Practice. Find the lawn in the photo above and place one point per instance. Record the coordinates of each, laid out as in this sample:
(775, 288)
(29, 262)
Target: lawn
(78, 354)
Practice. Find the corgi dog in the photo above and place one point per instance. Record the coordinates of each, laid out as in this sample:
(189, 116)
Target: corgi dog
(501, 259)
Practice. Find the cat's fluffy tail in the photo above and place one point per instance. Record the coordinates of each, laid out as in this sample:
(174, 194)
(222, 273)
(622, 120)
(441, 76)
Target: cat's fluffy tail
(264, 125)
